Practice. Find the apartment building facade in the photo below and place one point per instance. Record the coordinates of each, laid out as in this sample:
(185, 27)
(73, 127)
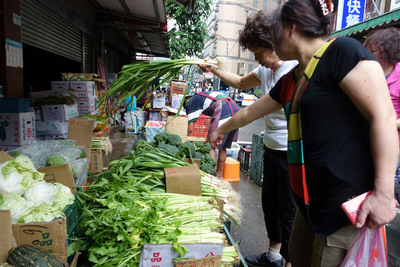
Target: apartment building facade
(227, 18)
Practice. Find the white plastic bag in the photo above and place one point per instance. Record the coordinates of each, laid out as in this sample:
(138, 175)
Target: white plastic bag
(369, 249)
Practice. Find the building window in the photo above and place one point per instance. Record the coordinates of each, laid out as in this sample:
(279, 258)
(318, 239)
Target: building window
(250, 68)
(246, 13)
(251, 55)
(255, 3)
(265, 5)
(242, 65)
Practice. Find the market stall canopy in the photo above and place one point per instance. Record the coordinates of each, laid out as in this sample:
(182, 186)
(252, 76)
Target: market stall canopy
(391, 18)
(143, 23)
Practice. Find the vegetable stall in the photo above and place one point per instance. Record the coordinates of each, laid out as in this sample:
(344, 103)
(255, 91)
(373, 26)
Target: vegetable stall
(127, 206)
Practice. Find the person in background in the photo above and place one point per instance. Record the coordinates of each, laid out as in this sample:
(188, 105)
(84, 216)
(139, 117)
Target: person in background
(128, 106)
(385, 45)
(277, 200)
(205, 87)
(342, 139)
(220, 108)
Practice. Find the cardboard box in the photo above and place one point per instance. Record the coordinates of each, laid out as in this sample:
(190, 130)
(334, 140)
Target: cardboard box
(47, 235)
(6, 234)
(51, 127)
(17, 128)
(96, 164)
(59, 112)
(183, 180)
(103, 133)
(176, 101)
(83, 88)
(177, 125)
(59, 85)
(158, 101)
(87, 105)
(177, 87)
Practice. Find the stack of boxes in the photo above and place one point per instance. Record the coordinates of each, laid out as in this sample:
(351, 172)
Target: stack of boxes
(87, 97)
(17, 125)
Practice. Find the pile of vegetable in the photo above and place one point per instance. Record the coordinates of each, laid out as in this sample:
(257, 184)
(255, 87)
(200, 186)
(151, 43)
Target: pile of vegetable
(127, 206)
(173, 144)
(30, 198)
(54, 152)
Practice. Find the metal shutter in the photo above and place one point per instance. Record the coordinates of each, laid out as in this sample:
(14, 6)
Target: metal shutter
(44, 29)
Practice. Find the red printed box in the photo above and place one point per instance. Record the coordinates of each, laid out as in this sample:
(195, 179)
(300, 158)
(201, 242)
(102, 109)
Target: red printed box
(83, 88)
(17, 128)
(87, 105)
(60, 85)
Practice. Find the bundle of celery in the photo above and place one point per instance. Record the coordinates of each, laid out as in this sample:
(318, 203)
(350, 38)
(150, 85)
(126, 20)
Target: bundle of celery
(137, 78)
(126, 206)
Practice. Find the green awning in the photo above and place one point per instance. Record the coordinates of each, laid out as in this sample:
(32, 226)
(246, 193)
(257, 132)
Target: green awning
(388, 17)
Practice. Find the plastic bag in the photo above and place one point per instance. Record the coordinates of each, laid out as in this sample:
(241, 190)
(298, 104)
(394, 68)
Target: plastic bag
(369, 249)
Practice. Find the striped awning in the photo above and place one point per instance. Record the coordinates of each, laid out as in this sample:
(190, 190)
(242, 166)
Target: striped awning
(382, 20)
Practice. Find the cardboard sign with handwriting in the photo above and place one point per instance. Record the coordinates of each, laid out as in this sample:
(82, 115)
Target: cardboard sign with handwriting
(46, 235)
(214, 261)
(183, 180)
(154, 255)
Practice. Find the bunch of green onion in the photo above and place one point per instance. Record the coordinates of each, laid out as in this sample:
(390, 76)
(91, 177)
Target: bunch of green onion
(137, 79)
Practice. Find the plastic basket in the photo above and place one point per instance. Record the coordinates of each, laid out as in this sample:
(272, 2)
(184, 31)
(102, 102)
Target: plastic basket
(201, 126)
(257, 159)
(73, 216)
(100, 125)
(14, 105)
(244, 157)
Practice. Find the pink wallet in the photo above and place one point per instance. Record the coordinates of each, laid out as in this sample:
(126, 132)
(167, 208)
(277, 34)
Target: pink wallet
(352, 206)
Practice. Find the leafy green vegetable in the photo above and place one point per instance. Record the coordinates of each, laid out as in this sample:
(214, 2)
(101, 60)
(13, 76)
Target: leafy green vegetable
(208, 168)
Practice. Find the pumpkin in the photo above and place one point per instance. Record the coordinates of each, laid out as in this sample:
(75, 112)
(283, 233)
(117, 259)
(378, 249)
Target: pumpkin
(30, 256)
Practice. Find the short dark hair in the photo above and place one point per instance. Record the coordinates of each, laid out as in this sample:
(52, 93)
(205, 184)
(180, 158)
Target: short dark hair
(386, 42)
(256, 32)
(308, 16)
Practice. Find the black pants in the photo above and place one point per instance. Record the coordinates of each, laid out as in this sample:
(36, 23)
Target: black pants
(277, 200)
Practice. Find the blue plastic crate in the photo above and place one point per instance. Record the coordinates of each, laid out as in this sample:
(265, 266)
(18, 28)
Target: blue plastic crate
(14, 105)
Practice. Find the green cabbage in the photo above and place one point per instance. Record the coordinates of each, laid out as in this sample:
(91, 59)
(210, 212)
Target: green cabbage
(41, 192)
(16, 204)
(17, 175)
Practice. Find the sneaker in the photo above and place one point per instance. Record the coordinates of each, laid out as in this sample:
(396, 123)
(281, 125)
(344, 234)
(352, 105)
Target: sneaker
(262, 261)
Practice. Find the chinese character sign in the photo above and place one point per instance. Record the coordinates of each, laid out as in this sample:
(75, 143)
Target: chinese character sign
(350, 12)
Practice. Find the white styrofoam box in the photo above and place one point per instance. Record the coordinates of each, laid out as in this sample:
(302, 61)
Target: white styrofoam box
(17, 128)
(38, 113)
(158, 101)
(51, 137)
(83, 88)
(232, 152)
(51, 127)
(8, 148)
(87, 105)
(176, 101)
(57, 85)
(155, 116)
(59, 112)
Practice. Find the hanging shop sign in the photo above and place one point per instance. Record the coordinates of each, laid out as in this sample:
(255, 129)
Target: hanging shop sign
(350, 12)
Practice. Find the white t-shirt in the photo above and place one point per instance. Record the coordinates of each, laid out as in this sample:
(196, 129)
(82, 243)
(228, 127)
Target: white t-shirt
(275, 135)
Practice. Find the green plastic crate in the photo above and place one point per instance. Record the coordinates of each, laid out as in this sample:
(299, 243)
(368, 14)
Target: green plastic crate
(257, 159)
(73, 216)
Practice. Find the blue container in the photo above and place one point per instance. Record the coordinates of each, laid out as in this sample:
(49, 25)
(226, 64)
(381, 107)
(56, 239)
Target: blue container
(14, 105)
